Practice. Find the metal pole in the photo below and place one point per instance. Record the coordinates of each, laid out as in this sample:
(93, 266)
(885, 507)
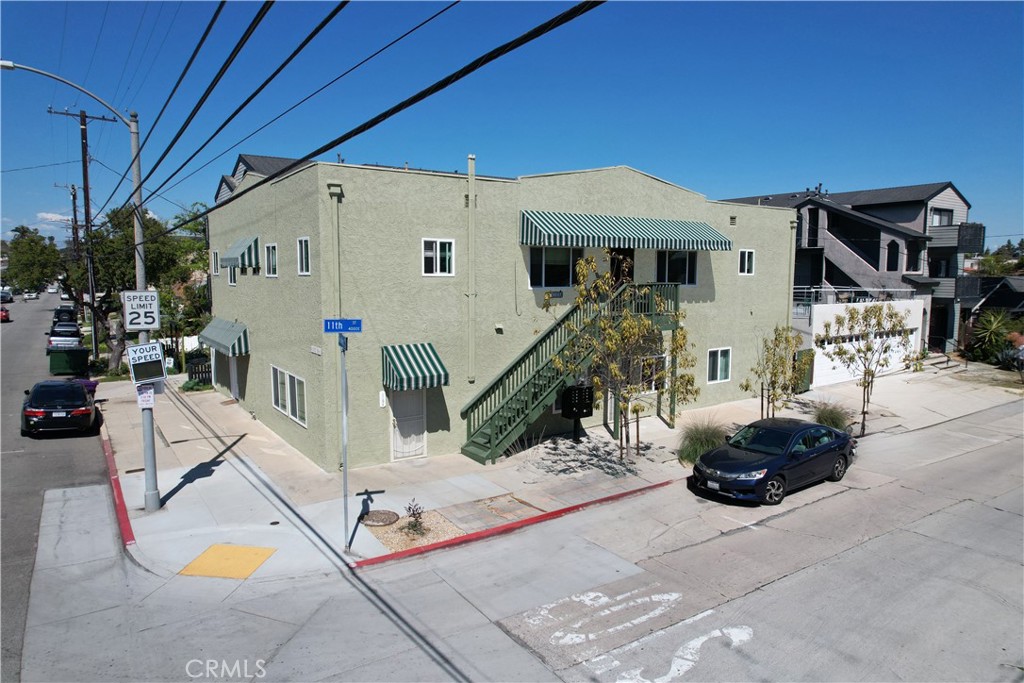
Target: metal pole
(343, 346)
(152, 495)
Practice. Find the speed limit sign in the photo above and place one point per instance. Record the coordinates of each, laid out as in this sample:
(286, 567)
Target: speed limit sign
(141, 310)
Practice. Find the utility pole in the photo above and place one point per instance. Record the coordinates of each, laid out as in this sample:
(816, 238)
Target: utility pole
(76, 252)
(83, 120)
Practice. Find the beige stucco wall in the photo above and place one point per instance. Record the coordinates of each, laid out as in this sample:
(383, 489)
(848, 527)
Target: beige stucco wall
(383, 216)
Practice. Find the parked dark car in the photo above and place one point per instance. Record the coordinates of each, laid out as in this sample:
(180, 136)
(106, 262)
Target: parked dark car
(56, 404)
(766, 459)
(65, 313)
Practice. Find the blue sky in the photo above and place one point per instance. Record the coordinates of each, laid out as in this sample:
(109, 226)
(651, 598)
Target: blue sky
(727, 99)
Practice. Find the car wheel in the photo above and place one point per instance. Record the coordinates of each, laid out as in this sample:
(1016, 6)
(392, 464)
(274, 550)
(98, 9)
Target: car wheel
(838, 469)
(774, 491)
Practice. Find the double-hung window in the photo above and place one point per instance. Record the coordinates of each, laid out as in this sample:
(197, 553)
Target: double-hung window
(303, 256)
(438, 257)
(270, 260)
(678, 267)
(288, 393)
(553, 266)
(215, 263)
(746, 261)
(942, 217)
(719, 365)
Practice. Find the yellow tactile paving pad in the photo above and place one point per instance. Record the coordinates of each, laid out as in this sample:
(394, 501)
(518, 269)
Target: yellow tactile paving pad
(228, 561)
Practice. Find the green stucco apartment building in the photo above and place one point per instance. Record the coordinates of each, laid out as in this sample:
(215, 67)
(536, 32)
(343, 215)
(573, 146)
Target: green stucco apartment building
(448, 273)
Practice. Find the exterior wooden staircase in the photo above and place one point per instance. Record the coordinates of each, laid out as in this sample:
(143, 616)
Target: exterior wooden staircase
(506, 407)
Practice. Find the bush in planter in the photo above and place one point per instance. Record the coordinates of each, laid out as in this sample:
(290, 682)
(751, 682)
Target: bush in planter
(699, 437)
(195, 385)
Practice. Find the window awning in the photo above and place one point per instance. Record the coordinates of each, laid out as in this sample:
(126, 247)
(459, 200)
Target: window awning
(231, 339)
(245, 253)
(557, 229)
(412, 366)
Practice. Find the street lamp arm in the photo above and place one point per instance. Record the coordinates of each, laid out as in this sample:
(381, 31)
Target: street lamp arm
(10, 66)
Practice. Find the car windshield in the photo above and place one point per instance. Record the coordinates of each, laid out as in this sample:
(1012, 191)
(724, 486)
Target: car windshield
(761, 440)
(58, 395)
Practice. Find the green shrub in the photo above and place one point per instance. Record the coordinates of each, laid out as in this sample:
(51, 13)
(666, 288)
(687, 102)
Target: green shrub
(833, 415)
(195, 385)
(700, 437)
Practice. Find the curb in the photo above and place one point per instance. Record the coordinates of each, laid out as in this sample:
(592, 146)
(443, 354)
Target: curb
(504, 528)
(120, 509)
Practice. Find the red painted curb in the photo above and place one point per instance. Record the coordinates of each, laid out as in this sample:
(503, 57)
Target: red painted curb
(503, 529)
(120, 509)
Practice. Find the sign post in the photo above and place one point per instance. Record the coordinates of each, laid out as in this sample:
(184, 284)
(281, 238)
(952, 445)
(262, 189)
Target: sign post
(146, 363)
(340, 326)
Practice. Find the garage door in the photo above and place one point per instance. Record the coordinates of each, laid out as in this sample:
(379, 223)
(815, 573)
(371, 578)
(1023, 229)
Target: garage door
(828, 371)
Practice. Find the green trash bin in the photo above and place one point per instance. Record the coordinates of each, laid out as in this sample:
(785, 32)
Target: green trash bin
(70, 361)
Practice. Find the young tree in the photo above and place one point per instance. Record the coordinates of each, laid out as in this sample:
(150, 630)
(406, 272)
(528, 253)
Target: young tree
(33, 260)
(863, 340)
(618, 345)
(779, 371)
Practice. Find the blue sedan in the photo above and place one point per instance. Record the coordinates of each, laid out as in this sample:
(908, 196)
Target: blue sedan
(766, 459)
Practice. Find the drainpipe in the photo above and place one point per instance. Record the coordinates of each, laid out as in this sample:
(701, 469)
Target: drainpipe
(471, 271)
(792, 260)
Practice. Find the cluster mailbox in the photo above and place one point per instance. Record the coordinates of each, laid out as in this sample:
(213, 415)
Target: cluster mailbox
(578, 402)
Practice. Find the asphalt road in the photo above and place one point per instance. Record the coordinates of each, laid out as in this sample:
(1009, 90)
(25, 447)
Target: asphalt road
(30, 467)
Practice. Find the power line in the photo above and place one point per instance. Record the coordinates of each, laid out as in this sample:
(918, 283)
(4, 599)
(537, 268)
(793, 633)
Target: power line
(32, 168)
(320, 90)
(569, 15)
(213, 84)
(154, 192)
(306, 41)
(181, 77)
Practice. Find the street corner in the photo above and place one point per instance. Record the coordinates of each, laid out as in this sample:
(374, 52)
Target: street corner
(227, 561)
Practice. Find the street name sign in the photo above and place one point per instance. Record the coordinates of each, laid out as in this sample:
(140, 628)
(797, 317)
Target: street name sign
(343, 325)
(141, 310)
(146, 362)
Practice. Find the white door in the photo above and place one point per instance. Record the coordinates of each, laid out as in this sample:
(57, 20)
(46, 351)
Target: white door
(408, 424)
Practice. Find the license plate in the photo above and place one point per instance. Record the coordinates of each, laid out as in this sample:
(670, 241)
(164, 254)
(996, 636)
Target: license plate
(59, 413)
(713, 485)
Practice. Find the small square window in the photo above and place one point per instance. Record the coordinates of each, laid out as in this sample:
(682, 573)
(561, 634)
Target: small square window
(438, 257)
(719, 365)
(942, 217)
(746, 261)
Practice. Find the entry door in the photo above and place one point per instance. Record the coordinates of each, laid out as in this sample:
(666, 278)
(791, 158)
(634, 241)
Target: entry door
(408, 424)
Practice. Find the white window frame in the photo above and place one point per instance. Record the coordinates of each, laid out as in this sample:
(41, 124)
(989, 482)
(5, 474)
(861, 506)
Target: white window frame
(746, 261)
(939, 216)
(717, 364)
(652, 386)
(215, 265)
(282, 386)
(303, 256)
(232, 276)
(435, 243)
(270, 259)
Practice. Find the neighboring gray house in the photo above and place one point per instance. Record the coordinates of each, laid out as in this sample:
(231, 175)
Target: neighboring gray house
(890, 243)
(448, 273)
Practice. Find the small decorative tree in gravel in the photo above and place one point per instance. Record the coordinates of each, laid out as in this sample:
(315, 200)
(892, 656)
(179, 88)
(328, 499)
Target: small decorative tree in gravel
(414, 511)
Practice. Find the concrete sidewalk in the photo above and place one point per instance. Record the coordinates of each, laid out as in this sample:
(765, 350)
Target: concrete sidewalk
(231, 486)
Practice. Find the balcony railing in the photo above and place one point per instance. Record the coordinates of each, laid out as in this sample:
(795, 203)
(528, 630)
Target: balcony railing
(805, 297)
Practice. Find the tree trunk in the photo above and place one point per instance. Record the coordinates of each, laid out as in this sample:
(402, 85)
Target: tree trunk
(116, 344)
(638, 436)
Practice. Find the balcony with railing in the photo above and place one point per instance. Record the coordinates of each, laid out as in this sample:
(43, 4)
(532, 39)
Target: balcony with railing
(805, 297)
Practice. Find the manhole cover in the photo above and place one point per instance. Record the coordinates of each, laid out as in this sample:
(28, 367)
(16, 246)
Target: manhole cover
(380, 518)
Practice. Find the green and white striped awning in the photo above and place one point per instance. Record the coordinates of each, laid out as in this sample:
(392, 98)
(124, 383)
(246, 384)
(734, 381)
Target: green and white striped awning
(245, 253)
(412, 366)
(231, 339)
(557, 229)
